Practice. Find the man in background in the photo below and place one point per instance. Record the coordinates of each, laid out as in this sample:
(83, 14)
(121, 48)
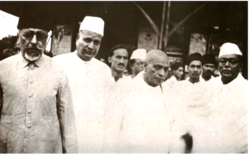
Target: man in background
(177, 74)
(209, 65)
(137, 61)
(194, 68)
(118, 58)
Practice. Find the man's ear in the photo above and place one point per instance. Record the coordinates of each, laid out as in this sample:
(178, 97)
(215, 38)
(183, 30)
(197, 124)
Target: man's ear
(109, 59)
(241, 66)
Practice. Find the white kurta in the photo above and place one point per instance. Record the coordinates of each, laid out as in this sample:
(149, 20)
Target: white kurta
(229, 117)
(215, 115)
(191, 104)
(142, 121)
(90, 83)
(169, 83)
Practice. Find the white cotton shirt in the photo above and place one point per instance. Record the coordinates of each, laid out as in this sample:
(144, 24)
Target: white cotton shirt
(216, 115)
(229, 117)
(90, 83)
(143, 125)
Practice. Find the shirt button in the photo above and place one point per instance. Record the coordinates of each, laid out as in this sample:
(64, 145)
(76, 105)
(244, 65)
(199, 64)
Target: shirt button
(29, 111)
(30, 95)
(29, 125)
(31, 81)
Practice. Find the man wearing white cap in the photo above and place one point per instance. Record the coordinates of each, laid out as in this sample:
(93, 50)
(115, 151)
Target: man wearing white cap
(230, 105)
(90, 80)
(230, 63)
(137, 61)
(220, 126)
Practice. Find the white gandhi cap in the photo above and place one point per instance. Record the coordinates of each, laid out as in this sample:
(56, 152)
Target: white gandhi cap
(139, 54)
(229, 49)
(94, 24)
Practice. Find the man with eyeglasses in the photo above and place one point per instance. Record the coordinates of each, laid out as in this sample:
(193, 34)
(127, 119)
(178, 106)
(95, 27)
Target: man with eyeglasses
(230, 63)
(230, 105)
(90, 81)
(36, 112)
(222, 123)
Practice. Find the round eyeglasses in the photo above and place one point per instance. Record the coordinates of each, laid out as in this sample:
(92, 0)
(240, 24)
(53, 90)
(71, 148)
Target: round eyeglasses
(40, 35)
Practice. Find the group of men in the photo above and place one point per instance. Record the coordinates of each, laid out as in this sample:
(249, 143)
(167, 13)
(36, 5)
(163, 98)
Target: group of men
(72, 102)
(120, 61)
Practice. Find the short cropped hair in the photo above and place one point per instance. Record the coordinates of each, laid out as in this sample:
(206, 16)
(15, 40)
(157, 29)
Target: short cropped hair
(119, 46)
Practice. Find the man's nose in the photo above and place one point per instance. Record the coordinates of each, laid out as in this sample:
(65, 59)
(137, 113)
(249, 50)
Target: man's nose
(227, 63)
(91, 45)
(162, 72)
(34, 39)
(122, 60)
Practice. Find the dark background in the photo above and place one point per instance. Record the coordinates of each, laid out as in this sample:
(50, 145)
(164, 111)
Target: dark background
(123, 19)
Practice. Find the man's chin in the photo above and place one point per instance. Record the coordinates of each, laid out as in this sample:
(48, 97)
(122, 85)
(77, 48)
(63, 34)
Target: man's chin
(32, 57)
(87, 57)
(226, 75)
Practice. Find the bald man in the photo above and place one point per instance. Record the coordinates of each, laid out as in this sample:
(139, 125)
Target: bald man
(139, 120)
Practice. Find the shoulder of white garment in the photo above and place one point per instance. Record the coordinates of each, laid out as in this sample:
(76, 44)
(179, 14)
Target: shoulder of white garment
(102, 69)
(7, 63)
(65, 59)
(101, 65)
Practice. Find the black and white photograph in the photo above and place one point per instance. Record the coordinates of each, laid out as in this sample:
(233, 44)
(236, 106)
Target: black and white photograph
(124, 77)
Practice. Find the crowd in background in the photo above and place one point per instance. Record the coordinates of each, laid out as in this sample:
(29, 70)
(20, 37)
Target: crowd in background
(74, 102)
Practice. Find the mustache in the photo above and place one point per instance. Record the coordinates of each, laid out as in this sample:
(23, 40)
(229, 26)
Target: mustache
(121, 64)
(34, 48)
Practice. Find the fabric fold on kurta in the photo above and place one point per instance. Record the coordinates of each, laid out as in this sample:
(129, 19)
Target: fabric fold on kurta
(90, 83)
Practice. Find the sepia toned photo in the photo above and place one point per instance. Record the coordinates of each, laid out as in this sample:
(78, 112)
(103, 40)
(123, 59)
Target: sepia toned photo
(124, 77)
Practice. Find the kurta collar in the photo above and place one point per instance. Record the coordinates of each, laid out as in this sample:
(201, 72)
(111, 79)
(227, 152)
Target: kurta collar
(85, 62)
(201, 80)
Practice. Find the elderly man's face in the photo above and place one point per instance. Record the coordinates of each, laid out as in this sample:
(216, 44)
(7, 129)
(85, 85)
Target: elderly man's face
(195, 69)
(88, 44)
(119, 60)
(178, 73)
(32, 43)
(156, 71)
(229, 66)
(208, 69)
